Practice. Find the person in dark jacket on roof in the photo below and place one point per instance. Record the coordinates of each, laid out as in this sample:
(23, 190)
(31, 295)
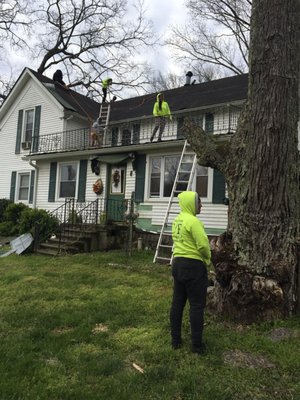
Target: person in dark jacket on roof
(161, 111)
(58, 78)
(192, 256)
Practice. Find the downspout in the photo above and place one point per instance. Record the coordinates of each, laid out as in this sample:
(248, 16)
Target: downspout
(35, 182)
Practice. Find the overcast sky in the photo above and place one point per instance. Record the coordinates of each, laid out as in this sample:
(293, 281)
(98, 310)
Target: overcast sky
(164, 13)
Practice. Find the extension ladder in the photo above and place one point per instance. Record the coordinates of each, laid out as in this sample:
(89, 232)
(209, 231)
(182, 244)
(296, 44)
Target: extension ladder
(99, 127)
(183, 181)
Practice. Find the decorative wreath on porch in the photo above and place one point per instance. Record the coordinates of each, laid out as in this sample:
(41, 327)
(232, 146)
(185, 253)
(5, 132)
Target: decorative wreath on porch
(116, 177)
(98, 186)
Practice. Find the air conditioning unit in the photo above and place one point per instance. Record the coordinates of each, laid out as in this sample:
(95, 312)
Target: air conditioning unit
(26, 145)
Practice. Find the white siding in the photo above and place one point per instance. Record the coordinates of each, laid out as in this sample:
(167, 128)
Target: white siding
(212, 215)
(30, 97)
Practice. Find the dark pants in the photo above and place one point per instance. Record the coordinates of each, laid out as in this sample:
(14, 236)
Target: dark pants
(160, 123)
(104, 91)
(190, 283)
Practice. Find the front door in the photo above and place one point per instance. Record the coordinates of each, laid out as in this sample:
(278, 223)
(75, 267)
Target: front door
(116, 204)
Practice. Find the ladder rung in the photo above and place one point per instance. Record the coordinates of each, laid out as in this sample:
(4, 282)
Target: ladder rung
(165, 246)
(163, 258)
(182, 182)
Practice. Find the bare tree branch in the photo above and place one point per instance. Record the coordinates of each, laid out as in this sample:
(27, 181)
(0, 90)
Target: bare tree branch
(217, 34)
(92, 39)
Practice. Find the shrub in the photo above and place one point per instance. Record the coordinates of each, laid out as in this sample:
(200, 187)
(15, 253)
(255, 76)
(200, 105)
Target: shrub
(38, 222)
(8, 228)
(13, 212)
(4, 203)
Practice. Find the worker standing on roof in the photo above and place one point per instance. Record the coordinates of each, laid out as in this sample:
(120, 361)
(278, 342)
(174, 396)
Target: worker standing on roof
(105, 84)
(161, 111)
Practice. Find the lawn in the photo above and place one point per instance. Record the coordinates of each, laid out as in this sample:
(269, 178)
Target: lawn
(95, 326)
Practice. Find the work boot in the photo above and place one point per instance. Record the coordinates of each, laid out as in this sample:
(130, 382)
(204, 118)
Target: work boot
(200, 350)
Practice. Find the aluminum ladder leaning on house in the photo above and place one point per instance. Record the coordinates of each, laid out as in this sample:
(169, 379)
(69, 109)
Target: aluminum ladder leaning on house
(103, 119)
(183, 181)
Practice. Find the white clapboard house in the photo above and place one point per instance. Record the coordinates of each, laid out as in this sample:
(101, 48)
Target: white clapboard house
(49, 158)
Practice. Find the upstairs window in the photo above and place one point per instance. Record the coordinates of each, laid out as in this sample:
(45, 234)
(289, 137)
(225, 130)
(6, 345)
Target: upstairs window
(28, 125)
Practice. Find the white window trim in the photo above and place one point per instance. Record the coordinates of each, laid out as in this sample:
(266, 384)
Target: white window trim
(149, 199)
(18, 182)
(57, 190)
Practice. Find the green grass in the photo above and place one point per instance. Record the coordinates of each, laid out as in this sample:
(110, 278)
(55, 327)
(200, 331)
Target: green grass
(72, 327)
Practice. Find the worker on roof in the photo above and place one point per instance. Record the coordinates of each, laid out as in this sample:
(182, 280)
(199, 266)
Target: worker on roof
(58, 78)
(161, 111)
(105, 84)
(191, 251)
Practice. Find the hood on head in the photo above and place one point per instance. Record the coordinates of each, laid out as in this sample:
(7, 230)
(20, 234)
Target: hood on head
(188, 202)
(157, 97)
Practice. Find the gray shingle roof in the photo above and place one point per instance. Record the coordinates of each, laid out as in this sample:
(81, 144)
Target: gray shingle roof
(211, 93)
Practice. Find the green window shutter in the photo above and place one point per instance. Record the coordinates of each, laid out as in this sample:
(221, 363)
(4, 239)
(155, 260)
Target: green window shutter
(82, 180)
(52, 182)
(140, 177)
(19, 132)
(31, 189)
(13, 185)
(218, 187)
(36, 132)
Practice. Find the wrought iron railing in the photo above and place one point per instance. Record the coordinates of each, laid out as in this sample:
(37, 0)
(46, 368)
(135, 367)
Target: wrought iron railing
(77, 218)
(136, 132)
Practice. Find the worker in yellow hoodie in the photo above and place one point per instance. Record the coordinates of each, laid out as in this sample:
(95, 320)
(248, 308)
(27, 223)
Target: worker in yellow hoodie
(161, 112)
(191, 257)
(105, 85)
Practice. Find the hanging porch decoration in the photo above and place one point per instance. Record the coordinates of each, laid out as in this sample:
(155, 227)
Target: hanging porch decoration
(98, 186)
(116, 177)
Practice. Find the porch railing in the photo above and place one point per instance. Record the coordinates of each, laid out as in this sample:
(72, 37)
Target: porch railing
(75, 219)
(132, 133)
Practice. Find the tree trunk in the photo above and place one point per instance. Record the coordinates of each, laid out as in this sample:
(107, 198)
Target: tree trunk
(256, 269)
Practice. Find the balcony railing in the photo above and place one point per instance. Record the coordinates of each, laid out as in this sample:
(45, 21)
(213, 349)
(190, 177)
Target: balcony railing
(131, 133)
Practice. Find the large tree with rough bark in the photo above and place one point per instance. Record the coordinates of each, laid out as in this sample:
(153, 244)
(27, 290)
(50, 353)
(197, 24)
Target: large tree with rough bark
(257, 259)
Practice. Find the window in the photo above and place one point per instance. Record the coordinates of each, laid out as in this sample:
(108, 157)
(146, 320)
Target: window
(28, 125)
(162, 175)
(202, 181)
(23, 189)
(67, 180)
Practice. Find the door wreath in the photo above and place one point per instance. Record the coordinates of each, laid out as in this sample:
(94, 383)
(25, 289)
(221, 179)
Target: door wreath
(116, 177)
(98, 186)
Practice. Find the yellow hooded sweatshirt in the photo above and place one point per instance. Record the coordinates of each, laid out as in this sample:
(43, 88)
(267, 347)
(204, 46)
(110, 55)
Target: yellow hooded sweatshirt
(165, 110)
(189, 237)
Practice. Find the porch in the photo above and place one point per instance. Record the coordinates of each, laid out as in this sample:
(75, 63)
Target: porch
(137, 132)
(98, 225)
